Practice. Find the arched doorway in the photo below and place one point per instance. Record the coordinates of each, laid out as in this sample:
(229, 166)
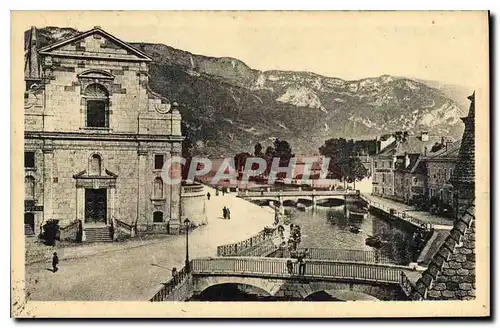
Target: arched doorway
(29, 223)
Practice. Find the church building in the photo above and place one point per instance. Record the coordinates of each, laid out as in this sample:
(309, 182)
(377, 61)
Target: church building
(96, 137)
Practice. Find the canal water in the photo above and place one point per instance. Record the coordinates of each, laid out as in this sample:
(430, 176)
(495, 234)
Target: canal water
(328, 227)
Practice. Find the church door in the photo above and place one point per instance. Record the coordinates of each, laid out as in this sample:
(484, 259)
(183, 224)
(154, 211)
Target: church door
(95, 205)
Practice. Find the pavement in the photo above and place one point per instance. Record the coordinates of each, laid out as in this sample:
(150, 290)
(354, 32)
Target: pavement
(438, 222)
(135, 270)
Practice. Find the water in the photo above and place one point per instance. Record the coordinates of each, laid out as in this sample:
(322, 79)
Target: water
(328, 227)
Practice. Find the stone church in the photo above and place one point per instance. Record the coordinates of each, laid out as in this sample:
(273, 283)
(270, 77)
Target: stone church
(96, 137)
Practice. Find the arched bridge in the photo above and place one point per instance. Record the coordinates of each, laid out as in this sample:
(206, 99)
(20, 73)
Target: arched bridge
(270, 277)
(295, 195)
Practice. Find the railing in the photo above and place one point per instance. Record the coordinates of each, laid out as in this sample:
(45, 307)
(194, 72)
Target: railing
(262, 250)
(407, 286)
(271, 267)
(194, 188)
(347, 255)
(239, 247)
(170, 286)
(124, 226)
(299, 193)
(70, 231)
(401, 215)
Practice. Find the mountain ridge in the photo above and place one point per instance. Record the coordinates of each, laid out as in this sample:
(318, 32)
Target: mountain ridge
(228, 106)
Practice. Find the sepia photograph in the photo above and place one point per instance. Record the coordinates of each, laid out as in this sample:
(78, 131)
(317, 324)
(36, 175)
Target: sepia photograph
(174, 160)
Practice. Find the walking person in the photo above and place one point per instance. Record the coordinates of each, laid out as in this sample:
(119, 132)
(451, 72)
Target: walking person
(208, 195)
(289, 266)
(55, 262)
(224, 212)
(228, 214)
(174, 275)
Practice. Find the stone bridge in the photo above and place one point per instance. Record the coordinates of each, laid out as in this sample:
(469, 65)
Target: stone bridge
(312, 196)
(269, 277)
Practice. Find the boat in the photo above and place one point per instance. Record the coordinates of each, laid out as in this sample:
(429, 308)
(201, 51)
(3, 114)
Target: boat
(354, 229)
(373, 242)
(301, 207)
(356, 213)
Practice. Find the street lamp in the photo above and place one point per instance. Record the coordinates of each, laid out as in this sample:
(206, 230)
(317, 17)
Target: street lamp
(186, 223)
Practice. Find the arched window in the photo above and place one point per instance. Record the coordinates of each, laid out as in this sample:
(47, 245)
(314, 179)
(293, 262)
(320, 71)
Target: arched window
(157, 217)
(158, 189)
(95, 165)
(96, 102)
(29, 187)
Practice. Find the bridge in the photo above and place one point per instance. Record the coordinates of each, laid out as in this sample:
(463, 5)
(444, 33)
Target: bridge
(295, 195)
(269, 277)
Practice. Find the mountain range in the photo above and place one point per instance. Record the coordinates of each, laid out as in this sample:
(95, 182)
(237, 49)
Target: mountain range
(227, 106)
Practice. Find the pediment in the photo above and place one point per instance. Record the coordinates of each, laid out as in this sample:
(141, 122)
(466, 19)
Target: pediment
(84, 175)
(95, 43)
(96, 74)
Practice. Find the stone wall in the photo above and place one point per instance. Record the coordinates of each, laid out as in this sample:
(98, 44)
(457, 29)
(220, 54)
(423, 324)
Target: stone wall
(193, 204)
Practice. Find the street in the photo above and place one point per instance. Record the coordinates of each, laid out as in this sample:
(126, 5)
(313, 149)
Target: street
(137, 272)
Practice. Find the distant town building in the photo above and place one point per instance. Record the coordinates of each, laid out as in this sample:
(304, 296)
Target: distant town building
(440, 168)
(409, 176)
(383, 163)
(96, 137)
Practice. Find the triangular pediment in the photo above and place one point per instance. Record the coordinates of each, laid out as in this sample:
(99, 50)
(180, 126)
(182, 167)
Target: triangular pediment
(95, 43)
(84, 175)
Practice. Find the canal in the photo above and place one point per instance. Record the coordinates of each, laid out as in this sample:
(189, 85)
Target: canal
(328, 227)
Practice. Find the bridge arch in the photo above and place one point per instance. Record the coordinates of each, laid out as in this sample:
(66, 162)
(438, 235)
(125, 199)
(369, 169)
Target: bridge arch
(346, 291)
(202, 284)
(340, 295)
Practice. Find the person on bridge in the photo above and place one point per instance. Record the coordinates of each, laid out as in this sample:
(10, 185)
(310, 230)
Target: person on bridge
(208, 195)
(289, 266)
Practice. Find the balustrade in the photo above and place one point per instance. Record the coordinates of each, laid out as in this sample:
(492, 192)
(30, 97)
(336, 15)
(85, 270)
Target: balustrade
(277, 268)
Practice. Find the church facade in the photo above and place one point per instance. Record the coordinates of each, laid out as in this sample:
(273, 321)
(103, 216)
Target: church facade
(96, 137)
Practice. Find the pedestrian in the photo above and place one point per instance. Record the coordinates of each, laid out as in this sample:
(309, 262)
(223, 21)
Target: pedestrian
(228, 214)
(223, 191)
(208, 195)
(217, 192)
(55, 262)
(289, 266)
(224, 212)
(302, 265)
(174, 275)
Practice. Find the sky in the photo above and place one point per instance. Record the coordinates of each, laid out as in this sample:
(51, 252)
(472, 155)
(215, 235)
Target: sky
(449, 47)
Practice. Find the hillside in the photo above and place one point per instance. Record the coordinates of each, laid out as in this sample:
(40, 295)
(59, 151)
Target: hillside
(228, 107)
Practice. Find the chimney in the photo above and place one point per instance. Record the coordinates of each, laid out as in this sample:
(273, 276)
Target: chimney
(424, 136)
(442, 140)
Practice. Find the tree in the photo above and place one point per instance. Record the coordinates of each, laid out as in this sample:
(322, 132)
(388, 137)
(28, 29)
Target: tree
(344, 164)
(240, 160)
(258, 149)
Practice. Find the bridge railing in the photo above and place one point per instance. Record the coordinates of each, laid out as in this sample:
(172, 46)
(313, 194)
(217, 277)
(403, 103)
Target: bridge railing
(400, 214)
(347, 255)
(171, 285)
(273, 267)
(248, 193)
(240, 247)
